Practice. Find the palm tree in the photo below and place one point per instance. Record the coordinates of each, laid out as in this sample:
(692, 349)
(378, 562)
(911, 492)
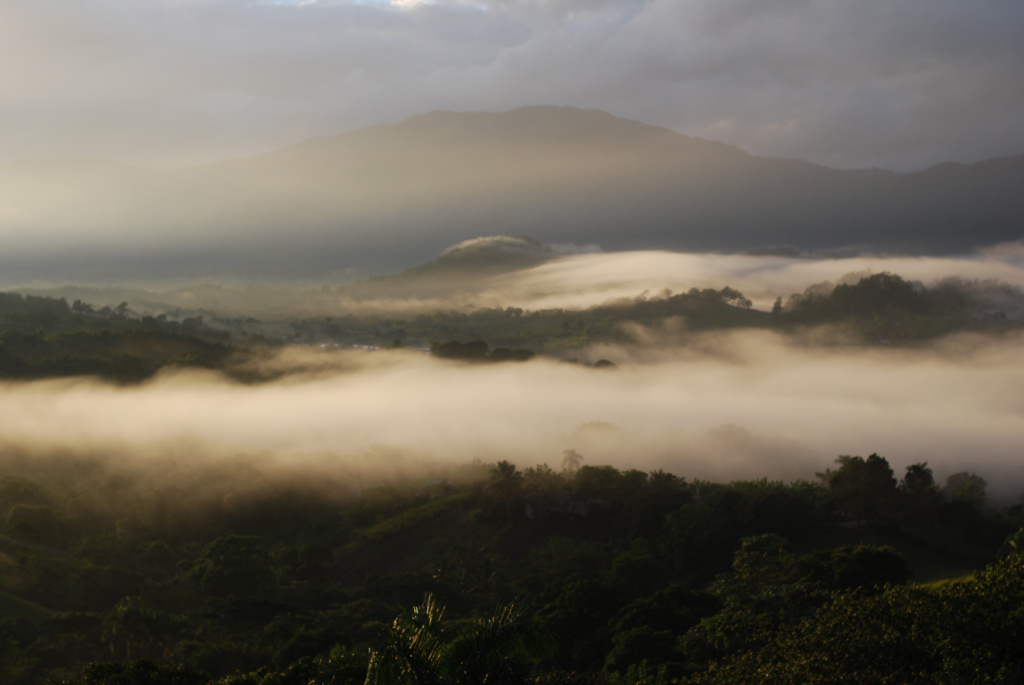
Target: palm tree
(412, 652)
(493, 651)
(133, 631)
(571, 460)
(506, 482)
(497, 649)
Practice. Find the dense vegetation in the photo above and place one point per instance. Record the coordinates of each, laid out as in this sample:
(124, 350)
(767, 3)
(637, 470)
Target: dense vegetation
(45, 337)
(129, 569)
(878, 308)
(123, 571)
(558, 332)
(42, 337)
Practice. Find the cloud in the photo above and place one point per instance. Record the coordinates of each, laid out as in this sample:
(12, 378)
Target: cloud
(174, 82)
(410, 4)
(1012, 251)
(736, 405)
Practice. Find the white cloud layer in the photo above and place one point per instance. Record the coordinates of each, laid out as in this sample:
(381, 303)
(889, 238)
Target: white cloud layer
(586, 280)
(583, 278)
(738, 405)
(170, 82)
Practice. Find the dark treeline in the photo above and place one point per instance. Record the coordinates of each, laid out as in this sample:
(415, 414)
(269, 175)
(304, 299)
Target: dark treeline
(550, 331)
(886, 307)
(477, 350)
(882, 307)
(161, 571)
(42, 337)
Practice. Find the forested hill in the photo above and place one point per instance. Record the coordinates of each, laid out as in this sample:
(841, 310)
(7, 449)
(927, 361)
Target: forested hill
(42, 337)
(159, 572)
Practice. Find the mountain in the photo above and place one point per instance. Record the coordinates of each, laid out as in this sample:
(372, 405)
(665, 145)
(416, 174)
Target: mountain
(388, 196)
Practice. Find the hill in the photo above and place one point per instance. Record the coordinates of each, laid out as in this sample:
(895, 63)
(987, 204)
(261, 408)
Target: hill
(465, 266)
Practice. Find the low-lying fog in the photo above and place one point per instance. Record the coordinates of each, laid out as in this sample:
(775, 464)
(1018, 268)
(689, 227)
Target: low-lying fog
(725, 406)
(567, 280)
(589, 279)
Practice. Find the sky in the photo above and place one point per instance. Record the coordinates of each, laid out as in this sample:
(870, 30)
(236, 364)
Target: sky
(897, 84)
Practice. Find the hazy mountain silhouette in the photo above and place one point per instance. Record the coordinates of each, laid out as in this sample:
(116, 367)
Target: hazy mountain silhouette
(386, 197)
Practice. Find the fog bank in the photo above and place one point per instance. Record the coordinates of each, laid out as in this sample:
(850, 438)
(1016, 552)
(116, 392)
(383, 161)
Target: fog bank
(730, 406)
(590, 279)
(572, 281)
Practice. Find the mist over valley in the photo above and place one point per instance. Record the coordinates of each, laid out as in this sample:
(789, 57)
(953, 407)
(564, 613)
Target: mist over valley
(826, 356)
(425, 342)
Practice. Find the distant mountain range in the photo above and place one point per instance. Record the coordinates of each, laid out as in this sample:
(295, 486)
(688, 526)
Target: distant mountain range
(386, 197)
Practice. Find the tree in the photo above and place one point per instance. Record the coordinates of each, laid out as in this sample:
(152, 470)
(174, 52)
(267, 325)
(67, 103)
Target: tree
(964, 632)
(234, 565)
(760, 561)
(734, 298)
(571, 460)
(542, 479)
(637, 645)
(919, 491)
(966, 487)
(664, 482)
(1013, 544)
(142, 672)
(506, 484)
(32, 522)
(918, 482)
(580, 616)
(453, 349)
(859, 566)
(133, 631)
(864, 487)
(492, 650)
(599, 482)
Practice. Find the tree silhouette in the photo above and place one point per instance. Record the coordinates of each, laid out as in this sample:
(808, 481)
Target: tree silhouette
(864, 487)
(966, 487)
(506, 483)
(918, 481)
(132, 631)
(920, 493)
(571, 460)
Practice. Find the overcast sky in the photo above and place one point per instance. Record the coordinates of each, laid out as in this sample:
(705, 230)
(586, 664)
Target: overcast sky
(900, 84)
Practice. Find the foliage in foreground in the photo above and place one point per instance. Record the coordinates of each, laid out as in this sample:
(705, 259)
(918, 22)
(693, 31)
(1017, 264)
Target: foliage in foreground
(226, 575)
(964, 632)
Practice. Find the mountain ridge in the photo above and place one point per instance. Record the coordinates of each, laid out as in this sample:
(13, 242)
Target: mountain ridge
(384, 197)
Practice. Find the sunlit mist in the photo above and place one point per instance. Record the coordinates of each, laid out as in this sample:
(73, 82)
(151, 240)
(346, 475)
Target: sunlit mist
(740, 405)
